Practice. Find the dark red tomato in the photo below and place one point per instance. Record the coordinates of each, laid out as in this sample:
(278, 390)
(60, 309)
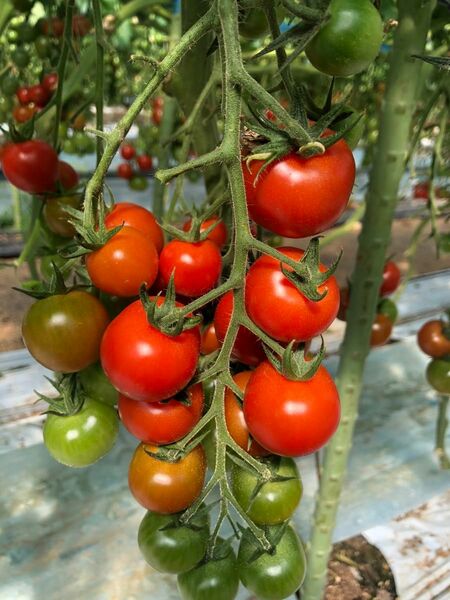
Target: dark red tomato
(234, 417)
(158, 102)
(144, 162)
(298, 197)
(162, 422)
(57, 218)
(31, 166)
(67, 176)
(433, 340)
(164, 487)
(247, 347)
(218, 235)
(422, 190)
(133, 215)
(23, 95)
(63, 332)
(22, 114)
(125, 170)
(391, 278)
(81, 25)
(343, 305)
(39, 95)
(209, 342)
(291, 418)
(157, 115)
(381, 330)
(196, 266)
(53, 26)
(124, 263)
(268, 292)
(50, 81)
(127, 151)
(144, 363)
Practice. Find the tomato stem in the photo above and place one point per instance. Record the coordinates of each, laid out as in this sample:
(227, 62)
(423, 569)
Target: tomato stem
(441, 429)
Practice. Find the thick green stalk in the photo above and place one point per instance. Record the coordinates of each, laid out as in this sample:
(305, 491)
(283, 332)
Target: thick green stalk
(388, 168)
(441, 430)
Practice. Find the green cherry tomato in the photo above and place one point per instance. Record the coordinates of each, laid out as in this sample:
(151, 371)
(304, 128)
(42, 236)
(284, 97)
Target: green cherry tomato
(276, 575)
(253, 24)
(23, 5)
(438, 375)
(42, 46)
(27, 33)
(20, 58)
(9, 85)
(96, 385)
(387, 307)
(349, 41)
(81, 439)
(56, 217)
(170, 547)
(276, 501)
(215, 579)
(139, 184)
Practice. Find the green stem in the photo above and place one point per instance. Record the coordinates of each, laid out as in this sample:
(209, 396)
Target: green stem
(165, 131)
(441, 429)
(32, 234)
(387, 170)
(131, 8)
(99, 73)
(346, 227)
(16, 206)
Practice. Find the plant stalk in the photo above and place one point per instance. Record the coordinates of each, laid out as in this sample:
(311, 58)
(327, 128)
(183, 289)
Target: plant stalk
(441, 429)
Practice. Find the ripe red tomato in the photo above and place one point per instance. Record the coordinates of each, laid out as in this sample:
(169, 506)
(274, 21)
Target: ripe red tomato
(124, 263)
(432, 340)
(234, 417)
(67, 176)
(23, 95)
(127, 151)
(218, 235)
(247, 347)
(391, 278)
(31, 166)
(162, 422)
(133, 215)
(50, 81)
(422, 190)
(158, 102)
(196, 266)
(22, 114)
(81, 25)
(144, 162)
(299, 197)
(157, 115)
(209, 342)
(53, 27)
(39, 95)
(165, 487)
(381, 330)
(291, 418)
(125, 170)
(268, 292)
(144, 363)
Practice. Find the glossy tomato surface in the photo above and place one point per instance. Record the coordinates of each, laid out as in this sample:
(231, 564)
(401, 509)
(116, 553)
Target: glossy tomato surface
(56, 216)
(432, 340)
(209, 341)
(97, 386)
(133, 215)
(438, 375)
(391, 278)
(67, 176)
(381, 330)
(31, 166)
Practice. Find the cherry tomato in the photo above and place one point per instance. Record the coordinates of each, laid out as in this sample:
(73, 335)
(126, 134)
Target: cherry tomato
(196, 266)
(247, 347)
(144, 363)
(171, 547)
(166, 487)
(81, 25)
(125, 170)
(272, 575)
(391, 278)
(158, 102)
(22, 114)
(67, 176)
(438, 375)
(275, 501)
(268, 292)
(209, 341)
(157, 115)
(388, 308)
(253, 24)
(133, 215)
(349, 41)
(63, 332)
(20, 58)
(127, 151)
(53, 26)
(9, 85)
(298, 197)
(433, 340)
(422, 190)
(144, 162)
(234, 417)
(301, 420)
(124, 263)
(162, 422)
(381, 330)
(50, 81)
(31, 166)
(39, 95)
(56, 217)
(138, 184)
(97, 386)
(23, 95)
(218, 235)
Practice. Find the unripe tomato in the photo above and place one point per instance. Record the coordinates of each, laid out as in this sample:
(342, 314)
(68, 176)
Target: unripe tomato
(56, 217)
(438, 375)
(22, 114)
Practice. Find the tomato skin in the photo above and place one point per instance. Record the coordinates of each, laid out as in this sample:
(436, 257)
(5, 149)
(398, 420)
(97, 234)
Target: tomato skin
(438, 375)
(298, 197)
(133, 215)
(253, 24)
(97, 386)
(170, 547)
(388, 308)
(31, 166)
(39, 95)
(197, 266)
(349, 41)
(432, 340)
(50, 81)
(209, 342)
(218, 235)
(67, 176)
(421, 190)
(22, 114)
(81, 25)
(57, 218)
(234, 417)
(276, 575)
(161, 422)
(276, 501)
(144, 363)
(247, 347)
(144, 162)
(268, 292)
(157, 115)
(381, 330)
(53, 27)
(124, 263)
(23, 95)
(127, 151)
(304, 416)
(125, 171)
(391, 278)
(164, 487)
(63, 332)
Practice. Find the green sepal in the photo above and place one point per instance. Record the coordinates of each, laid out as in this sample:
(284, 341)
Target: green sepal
(70, 397)
(44, 289)
(293, 363)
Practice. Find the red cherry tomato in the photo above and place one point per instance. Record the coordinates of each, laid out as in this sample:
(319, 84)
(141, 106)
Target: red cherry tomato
(23, 95)
(298, 197)
(67, 176)
(125, 170)
(268, 292)
(381, 330)
(53, 26)
(247, 347)
(162, 422)
(433, 339)
(127, 151)
(157, 115)
(209, 342)
(291, 418)
(144, 162)
(158, 102)
(124, 263)
(133, 215)
(422, 190)
(218, 235)
(196, 266)
(391, 278)
(31, 166)
(22, 114)
(81, 25)
(39, 95)
(144, 363)
(50, 81)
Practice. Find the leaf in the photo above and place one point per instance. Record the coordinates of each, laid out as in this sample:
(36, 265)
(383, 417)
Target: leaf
(441, 62)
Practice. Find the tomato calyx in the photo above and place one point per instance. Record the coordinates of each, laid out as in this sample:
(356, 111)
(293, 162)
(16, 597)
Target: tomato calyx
(70, 396)
(44, 289)
(295, 363)
(274, 533)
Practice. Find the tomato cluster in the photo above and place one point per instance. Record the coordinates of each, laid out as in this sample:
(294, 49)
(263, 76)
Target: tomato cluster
(32, 99)
(434, 339)
(135, 163)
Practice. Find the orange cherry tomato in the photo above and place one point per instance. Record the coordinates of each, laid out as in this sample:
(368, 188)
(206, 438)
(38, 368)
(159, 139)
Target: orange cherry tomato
(209, 342)
(133, 215)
